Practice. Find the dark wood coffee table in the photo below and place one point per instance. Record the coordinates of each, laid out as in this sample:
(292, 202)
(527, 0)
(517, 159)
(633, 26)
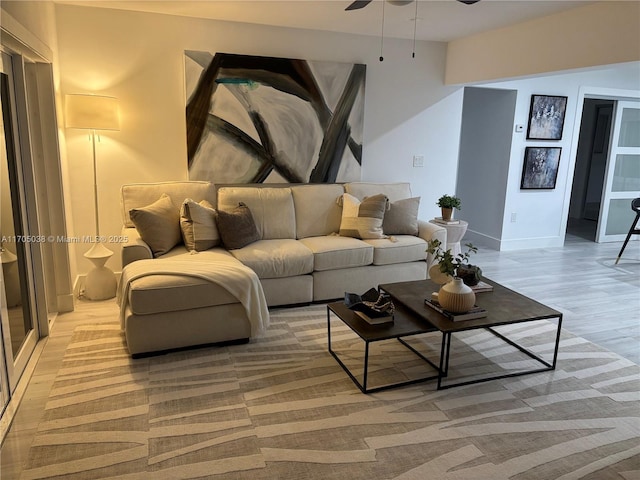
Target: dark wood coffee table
(405, 324)
(504, 307)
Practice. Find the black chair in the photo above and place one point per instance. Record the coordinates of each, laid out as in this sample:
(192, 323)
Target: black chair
(635, 206)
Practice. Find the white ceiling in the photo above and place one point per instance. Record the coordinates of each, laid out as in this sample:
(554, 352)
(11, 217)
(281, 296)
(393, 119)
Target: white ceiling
(438, 20)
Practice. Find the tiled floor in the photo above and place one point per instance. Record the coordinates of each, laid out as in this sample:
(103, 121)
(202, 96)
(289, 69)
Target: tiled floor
(600, 302)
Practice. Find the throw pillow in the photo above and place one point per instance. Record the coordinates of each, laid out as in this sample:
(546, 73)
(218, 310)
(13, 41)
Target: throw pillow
(363, 219)
(237, 227)
(198, 225)
(402, 217)
(158, 225)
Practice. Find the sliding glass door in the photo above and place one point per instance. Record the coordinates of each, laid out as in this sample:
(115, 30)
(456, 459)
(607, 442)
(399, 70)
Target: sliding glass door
(622, 178)
(17, 306)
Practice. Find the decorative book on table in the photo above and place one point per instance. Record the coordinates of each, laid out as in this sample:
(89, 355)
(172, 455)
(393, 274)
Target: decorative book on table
(446, 222)
(375, 320)
(372, 306)
(481, 287)
(474, 313)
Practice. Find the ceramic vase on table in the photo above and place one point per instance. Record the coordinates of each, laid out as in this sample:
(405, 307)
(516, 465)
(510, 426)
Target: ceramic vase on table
(437, 276)
(456, 297)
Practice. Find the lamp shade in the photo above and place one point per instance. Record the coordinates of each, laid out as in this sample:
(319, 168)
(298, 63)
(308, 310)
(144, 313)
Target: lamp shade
(94, 112)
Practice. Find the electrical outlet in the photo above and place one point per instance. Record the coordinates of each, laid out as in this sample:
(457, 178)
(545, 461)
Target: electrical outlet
(418, 160)
(513, 217)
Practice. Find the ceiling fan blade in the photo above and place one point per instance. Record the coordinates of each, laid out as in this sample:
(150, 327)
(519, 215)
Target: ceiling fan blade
(358, 4)
(468, 2)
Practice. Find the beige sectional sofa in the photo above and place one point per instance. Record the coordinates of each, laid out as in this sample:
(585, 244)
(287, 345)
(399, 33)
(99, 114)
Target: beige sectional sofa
(298, 257)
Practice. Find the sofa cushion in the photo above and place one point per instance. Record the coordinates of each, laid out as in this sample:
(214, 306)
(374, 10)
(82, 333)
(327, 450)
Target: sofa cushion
(363, 219)
(317, 212)
(167, 293)
(403, 248)
(164, 293)
(198, 225)
(237, 227)
(158, 225)
(136, 195)
(276, 258)
(272, 208)
(333, 252)
(393, 191)
(402, 217)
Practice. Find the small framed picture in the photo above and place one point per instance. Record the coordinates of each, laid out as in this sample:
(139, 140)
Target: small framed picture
(546, 117)
(540, 169)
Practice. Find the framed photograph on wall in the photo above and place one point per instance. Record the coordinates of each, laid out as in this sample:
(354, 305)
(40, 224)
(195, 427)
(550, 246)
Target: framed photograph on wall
(546, 117)
(540, 168)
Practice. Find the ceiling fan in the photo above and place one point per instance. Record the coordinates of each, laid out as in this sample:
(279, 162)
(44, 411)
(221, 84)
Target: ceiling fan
(358, 4)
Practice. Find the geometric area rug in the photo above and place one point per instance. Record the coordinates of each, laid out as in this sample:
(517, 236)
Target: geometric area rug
(280, 407)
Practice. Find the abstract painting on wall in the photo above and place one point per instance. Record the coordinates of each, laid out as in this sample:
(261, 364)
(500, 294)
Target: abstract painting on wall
(546, 117)
(540, 168)
(254, 119)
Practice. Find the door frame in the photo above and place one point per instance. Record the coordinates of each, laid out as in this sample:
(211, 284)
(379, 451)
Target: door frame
(47, 208)
(587, 92)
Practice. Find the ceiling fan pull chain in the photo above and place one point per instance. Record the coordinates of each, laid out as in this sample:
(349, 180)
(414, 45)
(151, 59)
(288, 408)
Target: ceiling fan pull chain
(382, 32)
(415, 26)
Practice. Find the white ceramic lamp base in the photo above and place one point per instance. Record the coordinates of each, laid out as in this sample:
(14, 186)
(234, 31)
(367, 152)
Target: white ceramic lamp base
(100, 283)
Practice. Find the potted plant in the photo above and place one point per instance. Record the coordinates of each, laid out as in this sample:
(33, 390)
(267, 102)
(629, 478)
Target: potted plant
(447, 203)
(455, 266)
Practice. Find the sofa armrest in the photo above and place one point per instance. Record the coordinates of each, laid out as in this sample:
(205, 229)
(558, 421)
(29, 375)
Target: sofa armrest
(429, 231)
(135, 248)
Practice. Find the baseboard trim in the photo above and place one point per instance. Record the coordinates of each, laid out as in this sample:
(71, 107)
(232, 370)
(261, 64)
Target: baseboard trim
(477, 237)
(65, 303)
(512, 245)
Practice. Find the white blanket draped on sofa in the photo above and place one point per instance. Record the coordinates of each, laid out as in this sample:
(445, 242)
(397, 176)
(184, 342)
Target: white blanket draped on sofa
(238, 280)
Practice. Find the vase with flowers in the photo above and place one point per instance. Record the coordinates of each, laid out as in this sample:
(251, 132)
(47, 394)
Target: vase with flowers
(454, 296)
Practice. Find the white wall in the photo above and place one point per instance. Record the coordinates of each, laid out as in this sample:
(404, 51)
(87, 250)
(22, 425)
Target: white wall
(138, 57)
(541, 215)
(483, 165)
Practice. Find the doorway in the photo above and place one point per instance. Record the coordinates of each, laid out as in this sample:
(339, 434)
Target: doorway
(591, 162)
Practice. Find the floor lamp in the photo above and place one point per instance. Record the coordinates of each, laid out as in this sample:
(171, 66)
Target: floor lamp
(94, 112)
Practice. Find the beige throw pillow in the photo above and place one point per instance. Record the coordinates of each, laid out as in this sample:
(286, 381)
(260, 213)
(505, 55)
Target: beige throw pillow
(198, 225)
(237, 227)
(402, 217)
(363, 219)
(158, 225)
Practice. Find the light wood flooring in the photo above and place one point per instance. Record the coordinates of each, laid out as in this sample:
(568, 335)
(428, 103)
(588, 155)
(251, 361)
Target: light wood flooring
(600, 302)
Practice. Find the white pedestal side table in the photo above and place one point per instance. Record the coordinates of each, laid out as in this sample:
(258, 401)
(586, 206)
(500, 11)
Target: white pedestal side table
(100, 283)
(455, 232)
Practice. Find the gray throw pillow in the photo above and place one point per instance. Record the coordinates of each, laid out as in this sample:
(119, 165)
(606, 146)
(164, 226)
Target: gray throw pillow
(158, 225)
(237, 227)
(402, 217)
(198, 225)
